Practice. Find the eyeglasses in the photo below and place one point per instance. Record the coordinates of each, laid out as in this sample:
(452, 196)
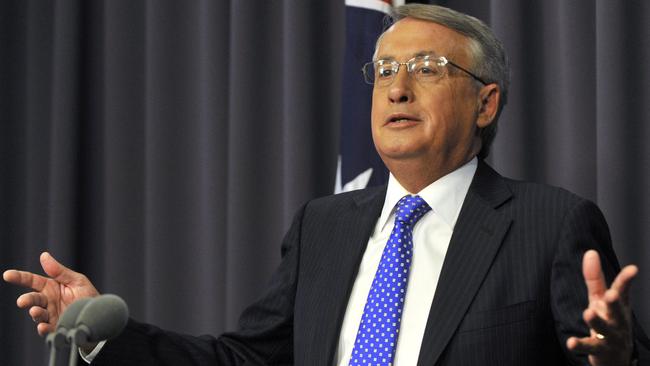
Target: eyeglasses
(426, 69)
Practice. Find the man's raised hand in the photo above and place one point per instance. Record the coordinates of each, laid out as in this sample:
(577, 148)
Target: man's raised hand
(52, 294)
(608, 315)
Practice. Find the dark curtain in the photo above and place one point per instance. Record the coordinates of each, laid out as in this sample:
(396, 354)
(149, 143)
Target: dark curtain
(161, 147)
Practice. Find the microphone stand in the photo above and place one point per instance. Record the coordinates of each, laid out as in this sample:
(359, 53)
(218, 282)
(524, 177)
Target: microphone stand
(52, 347)
(55, 340)
(76, 336)
(74, 349)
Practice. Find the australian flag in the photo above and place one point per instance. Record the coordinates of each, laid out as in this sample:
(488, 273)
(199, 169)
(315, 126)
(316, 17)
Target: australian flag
(359, 164)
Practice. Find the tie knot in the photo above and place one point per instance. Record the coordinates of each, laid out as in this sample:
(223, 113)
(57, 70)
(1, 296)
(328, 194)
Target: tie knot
(410, 209)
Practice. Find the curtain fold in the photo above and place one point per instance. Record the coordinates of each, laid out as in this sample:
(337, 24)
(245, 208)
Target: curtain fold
(623, 132)
(161, 147)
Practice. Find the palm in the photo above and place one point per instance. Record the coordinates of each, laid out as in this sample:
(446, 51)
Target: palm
(57, 302)
(60, 296)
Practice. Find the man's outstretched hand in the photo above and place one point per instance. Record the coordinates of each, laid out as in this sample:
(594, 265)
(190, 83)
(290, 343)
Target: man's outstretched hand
(52, 294)
(608, 315)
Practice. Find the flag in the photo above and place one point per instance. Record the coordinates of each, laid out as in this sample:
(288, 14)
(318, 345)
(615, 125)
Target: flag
(359, 164)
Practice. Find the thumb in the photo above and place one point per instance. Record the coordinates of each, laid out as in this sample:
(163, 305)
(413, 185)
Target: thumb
(56, 270)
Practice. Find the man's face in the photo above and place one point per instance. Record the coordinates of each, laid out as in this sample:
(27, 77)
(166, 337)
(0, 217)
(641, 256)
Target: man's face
(438, 121)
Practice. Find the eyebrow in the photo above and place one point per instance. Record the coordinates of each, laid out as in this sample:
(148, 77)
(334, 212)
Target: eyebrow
(418, 54)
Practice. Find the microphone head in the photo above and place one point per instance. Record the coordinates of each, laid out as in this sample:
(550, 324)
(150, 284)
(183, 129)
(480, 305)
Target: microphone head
(66, 322)
(69, 317)
(104, 317)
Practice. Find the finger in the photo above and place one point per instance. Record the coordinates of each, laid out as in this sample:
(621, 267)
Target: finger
(623, 281)
(56, 270)
(44, 328)
(594, 278)
(619, 312)
(31, 299)
(586, 345)
(598, 324)
(25, 279)
(39, 315)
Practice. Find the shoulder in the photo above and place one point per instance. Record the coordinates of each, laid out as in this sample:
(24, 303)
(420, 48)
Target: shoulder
(533, 202)
(550, 206)
(347, 200)
(488, 183)
(532, 192)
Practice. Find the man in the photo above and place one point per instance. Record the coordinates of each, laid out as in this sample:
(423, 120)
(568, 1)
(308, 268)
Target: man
(498, 272)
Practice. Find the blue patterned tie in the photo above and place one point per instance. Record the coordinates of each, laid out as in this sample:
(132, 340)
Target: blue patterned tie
(377, 337)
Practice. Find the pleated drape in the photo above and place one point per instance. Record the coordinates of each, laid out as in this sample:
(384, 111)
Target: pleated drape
(161, 147)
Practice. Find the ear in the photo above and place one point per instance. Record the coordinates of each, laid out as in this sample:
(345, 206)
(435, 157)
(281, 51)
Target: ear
(489, 97)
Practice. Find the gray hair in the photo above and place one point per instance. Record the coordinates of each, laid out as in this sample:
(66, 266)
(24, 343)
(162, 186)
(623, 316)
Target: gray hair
(490, 62)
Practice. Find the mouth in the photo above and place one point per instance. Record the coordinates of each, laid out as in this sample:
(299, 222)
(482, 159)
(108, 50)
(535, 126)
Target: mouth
(401, 118)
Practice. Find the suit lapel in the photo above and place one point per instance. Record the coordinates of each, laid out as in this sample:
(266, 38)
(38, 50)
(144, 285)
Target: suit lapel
(353, 229)
(477, 236)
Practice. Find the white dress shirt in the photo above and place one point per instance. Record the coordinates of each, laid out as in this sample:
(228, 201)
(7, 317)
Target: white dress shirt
(431, 236)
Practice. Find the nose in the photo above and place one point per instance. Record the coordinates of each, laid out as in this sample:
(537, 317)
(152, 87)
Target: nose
(400, 90)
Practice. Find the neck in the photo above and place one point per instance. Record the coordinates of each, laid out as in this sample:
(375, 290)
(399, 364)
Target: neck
(415, 177)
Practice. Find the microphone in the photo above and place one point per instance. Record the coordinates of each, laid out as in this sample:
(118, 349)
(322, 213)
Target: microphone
(104, 317)
(57, 339)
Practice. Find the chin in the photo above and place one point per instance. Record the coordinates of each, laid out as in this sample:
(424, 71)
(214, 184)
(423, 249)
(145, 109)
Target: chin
(398, 153)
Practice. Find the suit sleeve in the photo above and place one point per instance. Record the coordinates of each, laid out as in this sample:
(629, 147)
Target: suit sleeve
(265, 335)
(584, 228)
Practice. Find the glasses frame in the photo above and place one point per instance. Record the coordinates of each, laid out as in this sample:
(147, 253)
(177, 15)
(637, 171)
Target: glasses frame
(441, 61)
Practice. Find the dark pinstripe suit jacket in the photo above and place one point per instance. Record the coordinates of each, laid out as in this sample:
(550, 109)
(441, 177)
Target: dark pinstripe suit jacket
(510, 292)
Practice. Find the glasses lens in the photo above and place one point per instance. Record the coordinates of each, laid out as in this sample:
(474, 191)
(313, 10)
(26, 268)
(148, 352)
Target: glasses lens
(426, 69)
(384, 72)
(380, 72)
(369, 73)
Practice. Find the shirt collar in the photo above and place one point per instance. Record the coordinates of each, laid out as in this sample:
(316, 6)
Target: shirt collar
(445, 196)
